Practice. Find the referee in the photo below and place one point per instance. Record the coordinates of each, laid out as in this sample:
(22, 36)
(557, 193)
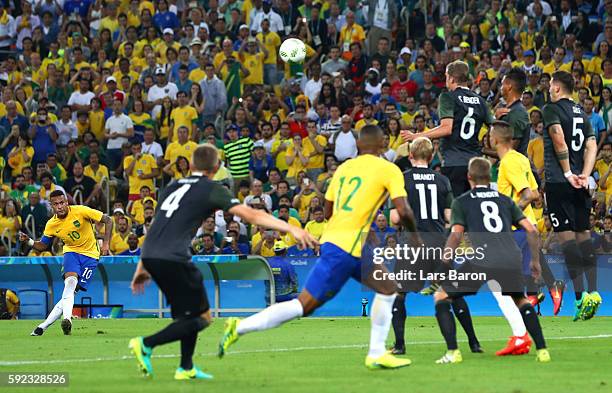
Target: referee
(166, 258)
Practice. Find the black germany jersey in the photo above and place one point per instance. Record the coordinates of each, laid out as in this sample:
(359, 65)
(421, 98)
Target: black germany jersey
(182, 207)
(576, 130)
(429, 193)
(469, 112)
(518, 118)
(488, 217)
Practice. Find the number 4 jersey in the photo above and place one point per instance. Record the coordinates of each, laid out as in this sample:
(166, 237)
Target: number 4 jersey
(469, 112)
(576, 130)
(358, 189)
(182, 207)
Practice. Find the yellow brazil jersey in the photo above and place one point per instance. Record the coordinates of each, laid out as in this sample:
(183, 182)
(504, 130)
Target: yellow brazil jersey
(316, 228)
(601, 167)
(357, 190)
(183, 117)
(76, 230)
(97, 175)
(281, 162)
(254, 63)
(132, 74)
(96, 123)
(162, 47)
(551, 67)
(272, 42)
(364, 122)
(265, 251)
(145, 165)
(18, 162)
(118, 244)
(514, 176)
(535, 150)
(218, 61)
(315, 160)
(175, 150)
(297, 165)
(197, 75)
(8, 224)
(137, 210)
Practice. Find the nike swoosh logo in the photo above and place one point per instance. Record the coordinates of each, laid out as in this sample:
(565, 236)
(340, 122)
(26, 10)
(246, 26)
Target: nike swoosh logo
(58, 231)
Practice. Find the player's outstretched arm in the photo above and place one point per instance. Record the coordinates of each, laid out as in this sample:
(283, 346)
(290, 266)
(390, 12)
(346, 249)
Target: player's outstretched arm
(108, 233)
(443, 130)
(37, 245)
(258, 217)
(558, 139)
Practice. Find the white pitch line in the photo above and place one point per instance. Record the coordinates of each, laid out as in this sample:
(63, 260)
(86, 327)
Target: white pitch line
(272, 350)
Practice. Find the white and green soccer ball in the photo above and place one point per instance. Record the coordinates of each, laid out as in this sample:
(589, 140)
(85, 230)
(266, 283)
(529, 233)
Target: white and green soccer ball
(292, 50)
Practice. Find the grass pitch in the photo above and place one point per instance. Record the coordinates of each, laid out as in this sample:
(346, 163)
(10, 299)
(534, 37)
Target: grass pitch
(313, 355)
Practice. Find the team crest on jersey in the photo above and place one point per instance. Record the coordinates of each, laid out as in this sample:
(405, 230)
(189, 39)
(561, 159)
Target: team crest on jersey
(77, 224)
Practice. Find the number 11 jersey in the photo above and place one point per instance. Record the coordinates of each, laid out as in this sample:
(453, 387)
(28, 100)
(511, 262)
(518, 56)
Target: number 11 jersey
(469, 112)
(182, 207)
(429, 194)
(358, 189)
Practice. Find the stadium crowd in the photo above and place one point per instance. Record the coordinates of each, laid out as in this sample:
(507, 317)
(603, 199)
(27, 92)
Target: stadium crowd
(107, 100)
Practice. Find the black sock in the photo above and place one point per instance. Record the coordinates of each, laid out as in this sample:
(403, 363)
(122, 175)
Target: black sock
(589, 261)
(462, 313)
(188, 344)
(547, 274)
(175, 331)
(532, 323)
(573, 261)
(532, 286)
(399, 320)
(447, 323)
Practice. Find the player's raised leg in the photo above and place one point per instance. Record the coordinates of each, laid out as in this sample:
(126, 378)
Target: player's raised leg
(333, 268)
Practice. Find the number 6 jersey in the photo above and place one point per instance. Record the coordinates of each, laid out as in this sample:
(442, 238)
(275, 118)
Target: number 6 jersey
(469, 112)
(576, 130)
(180, 211)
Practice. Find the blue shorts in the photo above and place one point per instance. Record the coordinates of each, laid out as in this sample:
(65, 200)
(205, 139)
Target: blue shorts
(520, 237)
(82, 265)
(332, 270)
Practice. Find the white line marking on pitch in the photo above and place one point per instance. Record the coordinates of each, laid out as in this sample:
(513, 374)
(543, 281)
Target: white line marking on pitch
(272, 350)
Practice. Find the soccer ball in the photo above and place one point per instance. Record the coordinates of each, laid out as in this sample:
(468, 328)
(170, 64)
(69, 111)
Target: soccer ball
(292, 50)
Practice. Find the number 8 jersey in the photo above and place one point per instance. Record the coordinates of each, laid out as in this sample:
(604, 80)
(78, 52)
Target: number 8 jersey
(469, 112)
(576, 130)
(488, 217)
